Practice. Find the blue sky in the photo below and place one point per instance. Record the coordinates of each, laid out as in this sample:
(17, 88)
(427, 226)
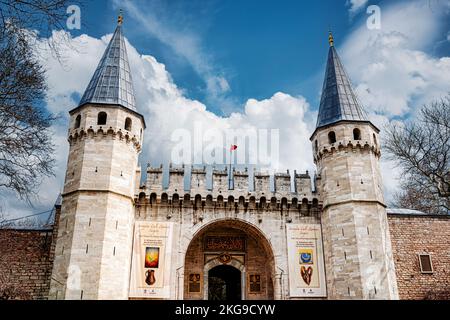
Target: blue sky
(259, 46)
(250, 64)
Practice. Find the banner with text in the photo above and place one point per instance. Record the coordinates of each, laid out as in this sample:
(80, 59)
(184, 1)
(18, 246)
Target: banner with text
(150, 268)
(305, 256)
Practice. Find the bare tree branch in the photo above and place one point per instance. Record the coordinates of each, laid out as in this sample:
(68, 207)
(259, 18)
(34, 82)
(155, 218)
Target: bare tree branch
(422, 150)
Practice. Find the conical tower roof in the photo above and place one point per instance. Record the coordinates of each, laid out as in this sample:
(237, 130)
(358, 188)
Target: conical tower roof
(112, 83)
(338, 101)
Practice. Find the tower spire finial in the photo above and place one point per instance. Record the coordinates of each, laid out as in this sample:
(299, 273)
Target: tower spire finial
(331, 39)
(120, 17)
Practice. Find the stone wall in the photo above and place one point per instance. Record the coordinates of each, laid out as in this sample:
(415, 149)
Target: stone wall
(412, 235)
(26, 261)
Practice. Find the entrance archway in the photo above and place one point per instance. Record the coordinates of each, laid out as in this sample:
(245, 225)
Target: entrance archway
(218, 248)
(224, 283)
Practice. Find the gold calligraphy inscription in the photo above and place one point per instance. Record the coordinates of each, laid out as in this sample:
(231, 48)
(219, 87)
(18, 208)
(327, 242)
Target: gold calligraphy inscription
(224, 243)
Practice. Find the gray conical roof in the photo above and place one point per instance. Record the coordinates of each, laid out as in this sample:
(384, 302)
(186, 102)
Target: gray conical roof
(338, 100)
(112, 82)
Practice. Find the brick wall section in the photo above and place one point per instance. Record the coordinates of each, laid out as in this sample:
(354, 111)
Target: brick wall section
(412, 235)
(26, 261)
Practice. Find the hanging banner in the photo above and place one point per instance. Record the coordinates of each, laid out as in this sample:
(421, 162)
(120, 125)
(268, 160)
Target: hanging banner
(305, 256)
(150, 268)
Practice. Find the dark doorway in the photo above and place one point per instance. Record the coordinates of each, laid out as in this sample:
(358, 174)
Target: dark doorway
(224, 283)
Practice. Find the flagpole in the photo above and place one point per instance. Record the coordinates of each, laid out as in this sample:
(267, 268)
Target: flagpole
(229, 174)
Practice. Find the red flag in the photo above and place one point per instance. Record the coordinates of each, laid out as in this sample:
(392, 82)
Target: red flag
(233, 147)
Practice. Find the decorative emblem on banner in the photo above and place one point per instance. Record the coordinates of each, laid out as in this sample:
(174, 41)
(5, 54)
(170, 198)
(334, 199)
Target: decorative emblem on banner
(150, 277)
(224, 258)
(306, 274)
(151, 257)
(306, 256)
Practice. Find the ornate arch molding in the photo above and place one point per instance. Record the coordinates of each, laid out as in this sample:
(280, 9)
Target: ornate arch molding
(240, 224)
(274, 257)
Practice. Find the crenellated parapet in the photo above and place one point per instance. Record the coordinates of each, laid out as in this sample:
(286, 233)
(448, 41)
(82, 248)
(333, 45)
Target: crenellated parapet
(94, 132)
(96, 121)
(346, 137)
(347, 146)
(288, 192)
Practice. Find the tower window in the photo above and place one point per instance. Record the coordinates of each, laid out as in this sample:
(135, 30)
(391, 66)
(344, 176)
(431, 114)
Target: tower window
(356, 134)
(77, 121)
(101, 118)
(128, 124)
(317, 146)
(331, 137)
(425, 263)
(374, 138)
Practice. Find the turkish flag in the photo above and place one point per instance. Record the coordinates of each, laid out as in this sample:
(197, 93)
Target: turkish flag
(233, 147)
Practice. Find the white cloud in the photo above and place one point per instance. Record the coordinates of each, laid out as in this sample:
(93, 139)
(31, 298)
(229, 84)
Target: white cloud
(165, 109)
(392, 73)
(356, 6)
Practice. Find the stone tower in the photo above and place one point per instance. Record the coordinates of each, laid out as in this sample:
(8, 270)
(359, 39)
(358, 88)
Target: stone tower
(93, 248)
(346, 150)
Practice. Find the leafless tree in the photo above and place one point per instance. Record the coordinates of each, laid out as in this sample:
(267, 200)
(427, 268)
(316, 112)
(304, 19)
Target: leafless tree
(26, 150)
(421, 148)
(25, 140)
(41, 16)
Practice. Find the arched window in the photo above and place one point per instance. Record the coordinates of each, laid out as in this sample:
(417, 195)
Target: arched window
(101, 118)
(317, 145)
(241, 201)
(209, 200)
(78, 121)
(153, 198)
(356, 134)
(128, 124)
(375, 139)
(331, 137)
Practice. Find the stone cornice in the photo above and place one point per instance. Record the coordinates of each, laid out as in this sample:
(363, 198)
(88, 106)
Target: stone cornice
(98, 190)
(353, 201)
(78, 134)
(346, 146)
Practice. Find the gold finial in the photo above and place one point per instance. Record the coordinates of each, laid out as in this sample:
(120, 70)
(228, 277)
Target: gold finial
(331, 39)
(120, 18)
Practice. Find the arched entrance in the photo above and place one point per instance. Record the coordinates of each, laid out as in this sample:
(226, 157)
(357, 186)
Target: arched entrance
(229, 260)
(224, 283)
